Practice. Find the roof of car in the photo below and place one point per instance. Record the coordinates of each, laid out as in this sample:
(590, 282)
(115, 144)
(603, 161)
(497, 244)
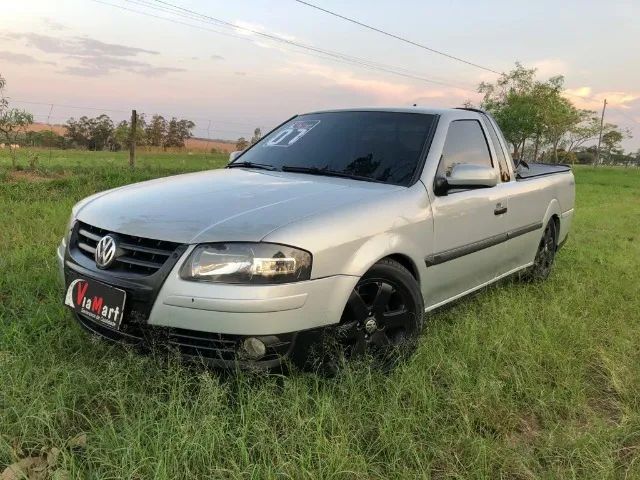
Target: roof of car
(416, 109)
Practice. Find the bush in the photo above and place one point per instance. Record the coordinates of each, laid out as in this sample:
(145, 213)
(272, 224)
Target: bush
(567, 157)
(586, 158)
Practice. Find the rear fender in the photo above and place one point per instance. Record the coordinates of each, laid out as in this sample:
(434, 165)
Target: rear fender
(552, 209)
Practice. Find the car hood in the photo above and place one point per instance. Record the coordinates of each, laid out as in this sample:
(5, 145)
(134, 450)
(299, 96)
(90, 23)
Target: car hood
(221, 205)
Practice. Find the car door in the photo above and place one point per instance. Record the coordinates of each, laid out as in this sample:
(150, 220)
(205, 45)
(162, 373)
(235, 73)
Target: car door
(468, 223)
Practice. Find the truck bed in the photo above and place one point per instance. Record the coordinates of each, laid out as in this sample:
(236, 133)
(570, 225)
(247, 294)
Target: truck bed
(539, 170)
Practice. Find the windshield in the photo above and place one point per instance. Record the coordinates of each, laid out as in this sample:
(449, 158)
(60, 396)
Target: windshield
(381, 146)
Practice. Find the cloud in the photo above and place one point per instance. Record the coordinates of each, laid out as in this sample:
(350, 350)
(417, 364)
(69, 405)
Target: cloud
(381, 91)
(257, 32)
(97, 67)
(19, 58)
(255, 29)
(80, 46)
(584, 97)
(91, 57)
(53, 25)
(550, 67)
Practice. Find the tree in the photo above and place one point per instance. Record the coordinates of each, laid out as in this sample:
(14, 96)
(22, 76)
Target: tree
(611, 141)
(241, 143)
(101, 131)
(122, 134)
(77, 131)
(586, 129)
(4, 102)
(558, 116)
(90, 133)
(257, 135)
(177, 132)
(13, 122)
(511, 102)
(156, 131)
(527, 109)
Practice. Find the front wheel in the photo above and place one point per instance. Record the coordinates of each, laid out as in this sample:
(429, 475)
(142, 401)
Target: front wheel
(383, 316)
(545, 255)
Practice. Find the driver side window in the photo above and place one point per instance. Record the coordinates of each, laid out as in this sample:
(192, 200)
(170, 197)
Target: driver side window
(465, 143)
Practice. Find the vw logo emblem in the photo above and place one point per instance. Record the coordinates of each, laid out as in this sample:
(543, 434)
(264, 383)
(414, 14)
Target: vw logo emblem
(105, 251)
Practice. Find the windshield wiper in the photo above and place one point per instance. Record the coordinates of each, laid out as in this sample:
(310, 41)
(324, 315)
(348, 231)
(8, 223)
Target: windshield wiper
(262, 166)
(326, 172)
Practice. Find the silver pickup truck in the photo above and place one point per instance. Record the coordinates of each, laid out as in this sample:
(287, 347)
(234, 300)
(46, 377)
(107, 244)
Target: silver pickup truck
(344, 225)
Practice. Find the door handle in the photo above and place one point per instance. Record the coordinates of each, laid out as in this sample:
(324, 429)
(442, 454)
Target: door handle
(499, 210)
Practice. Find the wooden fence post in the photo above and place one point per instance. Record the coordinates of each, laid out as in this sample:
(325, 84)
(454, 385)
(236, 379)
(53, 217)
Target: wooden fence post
(132, 139)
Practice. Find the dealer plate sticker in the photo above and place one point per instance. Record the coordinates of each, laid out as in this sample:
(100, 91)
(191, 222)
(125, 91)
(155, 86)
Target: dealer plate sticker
(293, 133)
(97, 301)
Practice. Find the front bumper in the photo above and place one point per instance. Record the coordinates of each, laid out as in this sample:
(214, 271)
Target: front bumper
(209, 321)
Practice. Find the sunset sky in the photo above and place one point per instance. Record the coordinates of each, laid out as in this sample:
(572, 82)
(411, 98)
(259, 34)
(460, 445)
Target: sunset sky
(107, 56)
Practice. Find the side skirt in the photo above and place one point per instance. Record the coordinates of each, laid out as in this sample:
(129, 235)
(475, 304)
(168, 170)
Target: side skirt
(478, 287)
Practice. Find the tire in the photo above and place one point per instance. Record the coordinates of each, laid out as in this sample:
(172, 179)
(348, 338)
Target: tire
(545, 255)
(382, 319)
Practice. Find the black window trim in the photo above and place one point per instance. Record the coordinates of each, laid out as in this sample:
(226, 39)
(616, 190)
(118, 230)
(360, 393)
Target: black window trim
(426, 148)
(484, 134)
(497, 145)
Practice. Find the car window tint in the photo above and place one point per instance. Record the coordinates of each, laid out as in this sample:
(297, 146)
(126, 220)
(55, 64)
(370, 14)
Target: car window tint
(502, 160)
(382, 146)
(465, 143)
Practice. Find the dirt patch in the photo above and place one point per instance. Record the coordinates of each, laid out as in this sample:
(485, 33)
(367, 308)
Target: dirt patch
(33, 176)
(526, 433)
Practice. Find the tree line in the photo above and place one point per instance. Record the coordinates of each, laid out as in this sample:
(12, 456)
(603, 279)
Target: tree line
(91, 133)
(101, 133)
(543, 125)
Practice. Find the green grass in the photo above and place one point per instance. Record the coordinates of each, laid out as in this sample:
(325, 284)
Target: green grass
(519, 381)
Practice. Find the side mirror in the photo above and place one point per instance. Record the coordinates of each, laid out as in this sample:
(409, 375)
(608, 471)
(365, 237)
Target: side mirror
(466, 176)
(234, 155)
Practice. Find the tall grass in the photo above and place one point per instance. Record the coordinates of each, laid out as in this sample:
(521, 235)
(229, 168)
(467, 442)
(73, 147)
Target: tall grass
(519, 381)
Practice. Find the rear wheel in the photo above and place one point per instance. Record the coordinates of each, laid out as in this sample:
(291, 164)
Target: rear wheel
(383, 317)
(545, 254)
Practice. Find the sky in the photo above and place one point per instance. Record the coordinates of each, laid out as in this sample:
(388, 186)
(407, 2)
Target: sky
(110, 56)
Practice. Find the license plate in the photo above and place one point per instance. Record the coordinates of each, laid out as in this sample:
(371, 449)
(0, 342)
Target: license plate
(97, 301)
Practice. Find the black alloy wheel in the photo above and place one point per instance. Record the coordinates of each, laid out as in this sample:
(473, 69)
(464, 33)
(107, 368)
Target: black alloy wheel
(545, 255)
(383, 316)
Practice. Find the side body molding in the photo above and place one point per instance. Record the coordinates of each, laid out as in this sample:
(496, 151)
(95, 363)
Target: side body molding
(447, 255)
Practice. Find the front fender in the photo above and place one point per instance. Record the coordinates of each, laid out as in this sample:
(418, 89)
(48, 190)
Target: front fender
(381, 246)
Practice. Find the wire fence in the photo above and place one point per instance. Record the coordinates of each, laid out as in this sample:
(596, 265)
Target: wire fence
(207, 131)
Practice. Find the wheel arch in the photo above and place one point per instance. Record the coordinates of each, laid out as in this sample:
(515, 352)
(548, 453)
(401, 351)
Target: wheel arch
(552, 214)
(406, 262)
(389, 245)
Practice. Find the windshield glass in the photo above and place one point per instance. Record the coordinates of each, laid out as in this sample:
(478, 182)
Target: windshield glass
(381, 146)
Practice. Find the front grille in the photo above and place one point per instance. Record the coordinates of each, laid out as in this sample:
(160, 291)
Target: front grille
(192, 343)
(142, 256)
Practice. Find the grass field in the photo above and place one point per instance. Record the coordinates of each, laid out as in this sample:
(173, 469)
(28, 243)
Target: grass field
(520, 381)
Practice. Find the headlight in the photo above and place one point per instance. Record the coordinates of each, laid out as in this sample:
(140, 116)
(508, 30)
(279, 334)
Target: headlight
(247, 263)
